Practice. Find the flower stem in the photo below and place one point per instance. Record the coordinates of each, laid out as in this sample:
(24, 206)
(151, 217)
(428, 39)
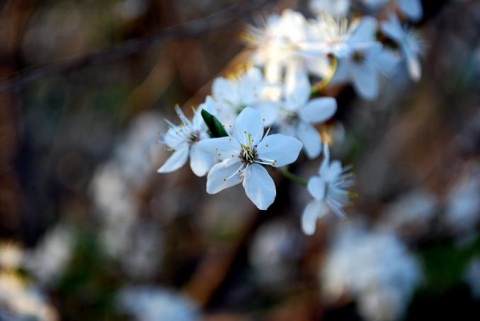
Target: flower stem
(320, 86)
(294, 178)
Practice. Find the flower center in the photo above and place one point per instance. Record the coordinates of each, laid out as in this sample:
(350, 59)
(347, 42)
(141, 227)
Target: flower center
(358, 56)
(194, 137)
(249, 154)
(292, 118)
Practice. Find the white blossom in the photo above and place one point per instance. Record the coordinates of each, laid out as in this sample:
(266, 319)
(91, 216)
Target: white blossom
(243, 155)
(183, 140)
(153, 304)
(298, 114)
(409, 43)
(277, 44)
(329, 191)
(376, 269)
(332, 7)
(250, 89)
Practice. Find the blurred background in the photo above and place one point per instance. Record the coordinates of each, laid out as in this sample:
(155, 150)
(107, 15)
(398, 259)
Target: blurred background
(90, 231)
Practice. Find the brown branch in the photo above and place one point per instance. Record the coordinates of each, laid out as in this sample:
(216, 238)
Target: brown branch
(192, 29)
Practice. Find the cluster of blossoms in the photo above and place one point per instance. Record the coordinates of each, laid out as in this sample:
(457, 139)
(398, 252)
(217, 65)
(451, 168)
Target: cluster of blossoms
(268, 115)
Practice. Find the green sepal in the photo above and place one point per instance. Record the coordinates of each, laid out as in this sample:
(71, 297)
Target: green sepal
(214, 125)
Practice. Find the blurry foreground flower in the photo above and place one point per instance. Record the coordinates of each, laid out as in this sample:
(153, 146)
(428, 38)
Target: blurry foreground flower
(374, 268)
(243, 155)
(154, 304)
(472, 277)
(23, 302)
(11, 256)
(50, 258)
(329, 190)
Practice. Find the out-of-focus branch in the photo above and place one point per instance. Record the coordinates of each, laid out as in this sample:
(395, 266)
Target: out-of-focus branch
(192, 29)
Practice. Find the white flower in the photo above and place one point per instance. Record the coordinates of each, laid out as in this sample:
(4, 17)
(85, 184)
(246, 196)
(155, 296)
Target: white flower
(243, 155)
(298, 114)
(410, 44)
(376, 269)
(329, 190)
(277, 44)
(332, 7)
(183, 140)
(146, 303)
(336, 35)
(364, 66)
(250, 89)
(411, 8)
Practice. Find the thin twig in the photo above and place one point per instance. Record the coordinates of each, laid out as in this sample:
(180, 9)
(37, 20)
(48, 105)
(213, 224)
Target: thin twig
(191, 29)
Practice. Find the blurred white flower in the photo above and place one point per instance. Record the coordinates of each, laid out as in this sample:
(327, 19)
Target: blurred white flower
(23, 302)
(409, 42)
(11, 255)
(411, 213)
(154, 304)
(462, 210)
(275, 248)
(279, 47)
(114, 189)
(376, 269)
(48, 261)
(337, 8)
(329, 190)
(411, 8)
(472, 277)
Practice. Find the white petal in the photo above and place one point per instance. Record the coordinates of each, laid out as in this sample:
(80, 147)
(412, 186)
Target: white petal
(312, 142)
(224, 175)
(221, 147)
(200, 161)
(248, 122)
(177, 160)
(268, 112)
(280, 149)
(365, 81)
(318, 110)
(392, 28)
(365, 31)
(298, 87)
(317, 187)
(312, 212)
(334, 171)
(174, 137)
(412, 8)
(224, 89)
(413, 64)
(259, 186)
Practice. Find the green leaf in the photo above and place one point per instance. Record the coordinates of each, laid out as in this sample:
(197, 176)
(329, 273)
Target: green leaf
(214, 125)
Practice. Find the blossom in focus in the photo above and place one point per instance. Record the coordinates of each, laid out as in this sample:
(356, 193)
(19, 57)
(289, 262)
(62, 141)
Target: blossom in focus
(329, 190)
(182, 139)
(298, 114)
(250, 89)
(243, 155)
(409, 43)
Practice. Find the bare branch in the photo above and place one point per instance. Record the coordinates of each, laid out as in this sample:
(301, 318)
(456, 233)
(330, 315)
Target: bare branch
(192, 29)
